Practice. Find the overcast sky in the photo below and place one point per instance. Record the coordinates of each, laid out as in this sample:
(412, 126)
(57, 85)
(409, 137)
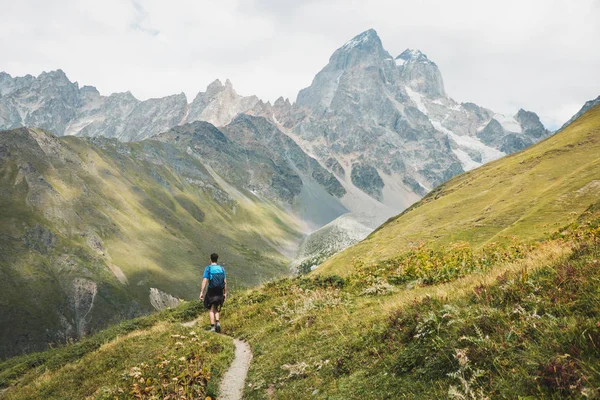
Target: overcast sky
(541, 55)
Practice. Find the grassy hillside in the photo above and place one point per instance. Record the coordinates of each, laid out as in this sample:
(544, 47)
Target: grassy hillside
(149, 357)
(529, 195)
(88, 226)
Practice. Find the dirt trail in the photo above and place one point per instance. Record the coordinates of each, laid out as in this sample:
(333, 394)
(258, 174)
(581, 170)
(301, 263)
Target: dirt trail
(232, 384)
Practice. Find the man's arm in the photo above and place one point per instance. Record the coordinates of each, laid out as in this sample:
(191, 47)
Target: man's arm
(225, 289)
(204, 283)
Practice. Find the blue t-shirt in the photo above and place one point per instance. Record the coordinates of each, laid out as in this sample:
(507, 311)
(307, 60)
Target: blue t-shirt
(215, 269)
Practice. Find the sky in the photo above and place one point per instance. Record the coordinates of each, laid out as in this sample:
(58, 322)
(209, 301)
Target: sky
(540, 55)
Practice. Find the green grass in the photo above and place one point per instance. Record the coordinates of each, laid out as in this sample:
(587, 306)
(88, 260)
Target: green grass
(514, 321)
(54, 358)
(104, 365)
(510, 324)
(529, 195)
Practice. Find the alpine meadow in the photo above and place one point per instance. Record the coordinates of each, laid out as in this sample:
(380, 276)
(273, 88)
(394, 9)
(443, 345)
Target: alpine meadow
(378, 239)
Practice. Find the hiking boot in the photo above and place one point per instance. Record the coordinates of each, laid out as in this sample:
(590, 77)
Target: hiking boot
(218, 327)
(212, 329)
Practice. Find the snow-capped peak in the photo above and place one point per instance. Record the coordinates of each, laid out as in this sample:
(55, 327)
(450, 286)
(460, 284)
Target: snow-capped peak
(365, 37)
(411, 55)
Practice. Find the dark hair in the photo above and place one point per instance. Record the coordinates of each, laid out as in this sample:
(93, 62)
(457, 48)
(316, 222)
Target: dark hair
(214, 257)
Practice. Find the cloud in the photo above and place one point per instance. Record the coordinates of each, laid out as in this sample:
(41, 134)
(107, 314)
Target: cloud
(538, 55)
(140, 20)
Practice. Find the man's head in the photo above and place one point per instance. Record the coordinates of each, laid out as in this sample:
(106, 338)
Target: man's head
(214, 257)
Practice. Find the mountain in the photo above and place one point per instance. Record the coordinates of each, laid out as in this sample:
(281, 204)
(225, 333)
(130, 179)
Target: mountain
(493, 305)
(365, 109)
(54, 103)
(367, 117)
(98, 211)
(253, 154)
(219, 104)
(387, 128)
(94, 231)
(330, 239)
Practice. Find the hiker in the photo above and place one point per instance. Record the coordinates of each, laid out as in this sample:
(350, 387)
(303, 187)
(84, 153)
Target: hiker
(214, 276)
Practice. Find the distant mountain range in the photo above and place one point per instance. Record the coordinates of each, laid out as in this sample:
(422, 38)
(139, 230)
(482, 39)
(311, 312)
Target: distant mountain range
(364, 110)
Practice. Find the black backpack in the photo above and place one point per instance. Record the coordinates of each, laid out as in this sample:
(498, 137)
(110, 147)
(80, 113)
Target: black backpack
(216, 279)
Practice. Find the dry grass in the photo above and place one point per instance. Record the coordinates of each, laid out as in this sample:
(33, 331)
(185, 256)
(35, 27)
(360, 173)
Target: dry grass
(548, 253)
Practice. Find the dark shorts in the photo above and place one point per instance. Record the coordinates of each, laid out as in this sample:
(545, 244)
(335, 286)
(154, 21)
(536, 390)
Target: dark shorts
(214, 296)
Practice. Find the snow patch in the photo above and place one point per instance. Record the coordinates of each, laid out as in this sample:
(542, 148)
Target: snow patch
(465, 159)
(508, 123)
(438, 125)
(275, 119)
(416, 98)
(423, 185)
(471, 143)
(487, 153)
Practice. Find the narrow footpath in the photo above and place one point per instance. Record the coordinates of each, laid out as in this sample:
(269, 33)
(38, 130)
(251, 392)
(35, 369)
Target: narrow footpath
(232, 384)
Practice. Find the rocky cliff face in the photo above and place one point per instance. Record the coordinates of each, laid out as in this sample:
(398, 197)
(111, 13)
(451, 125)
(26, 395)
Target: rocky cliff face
(219, 104)
(161, 300)
(420, 74)
(49, 101)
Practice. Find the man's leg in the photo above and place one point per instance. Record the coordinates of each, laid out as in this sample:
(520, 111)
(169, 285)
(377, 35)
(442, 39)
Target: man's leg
(211, 314)
(217, 315)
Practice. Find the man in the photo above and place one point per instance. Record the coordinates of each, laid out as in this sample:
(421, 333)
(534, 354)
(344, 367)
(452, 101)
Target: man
(214, 277)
